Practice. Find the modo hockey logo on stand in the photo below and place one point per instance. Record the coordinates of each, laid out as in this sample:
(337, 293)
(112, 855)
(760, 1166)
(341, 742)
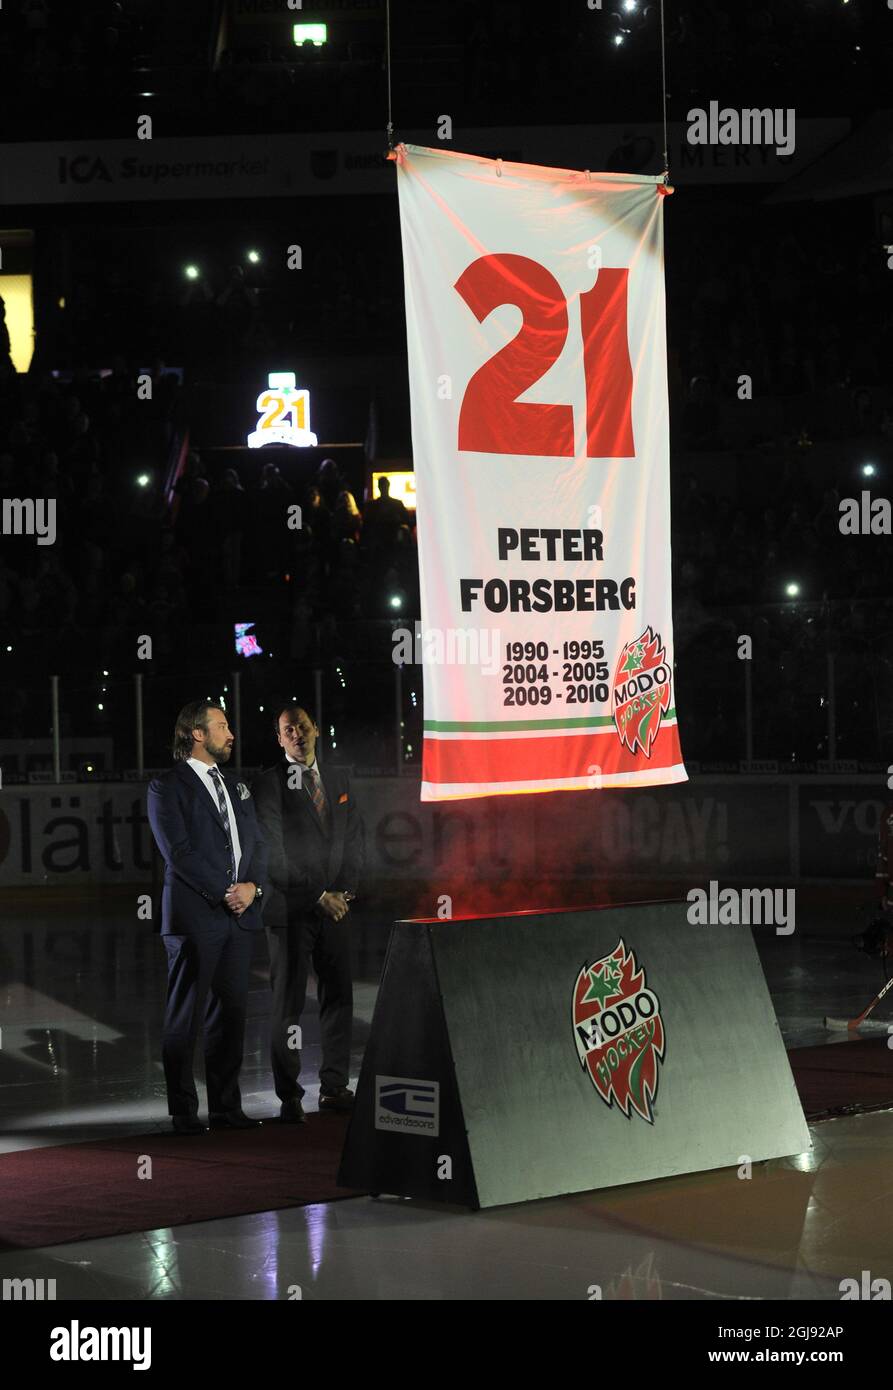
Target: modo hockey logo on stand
(619, 1031)
(641, 694)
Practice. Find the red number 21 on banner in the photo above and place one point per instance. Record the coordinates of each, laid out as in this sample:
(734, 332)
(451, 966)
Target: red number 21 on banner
(492, 420)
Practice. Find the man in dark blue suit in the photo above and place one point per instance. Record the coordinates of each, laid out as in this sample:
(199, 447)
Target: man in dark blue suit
(215, 859)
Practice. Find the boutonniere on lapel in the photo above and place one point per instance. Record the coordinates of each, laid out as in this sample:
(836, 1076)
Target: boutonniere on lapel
(342, 798)
(243, 791)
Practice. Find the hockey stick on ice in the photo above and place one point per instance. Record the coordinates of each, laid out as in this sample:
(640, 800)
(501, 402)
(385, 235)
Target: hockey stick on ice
(853, 1023)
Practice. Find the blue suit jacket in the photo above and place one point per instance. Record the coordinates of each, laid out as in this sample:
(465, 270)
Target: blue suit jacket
(191, 837)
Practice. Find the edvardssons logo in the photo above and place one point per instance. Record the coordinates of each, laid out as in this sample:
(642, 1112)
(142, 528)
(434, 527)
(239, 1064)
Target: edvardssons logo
(641, 693)
(619, 1031)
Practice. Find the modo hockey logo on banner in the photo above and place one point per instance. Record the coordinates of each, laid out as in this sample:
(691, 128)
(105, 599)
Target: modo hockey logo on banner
(537, 360)
(619, 1032)
(641, 691)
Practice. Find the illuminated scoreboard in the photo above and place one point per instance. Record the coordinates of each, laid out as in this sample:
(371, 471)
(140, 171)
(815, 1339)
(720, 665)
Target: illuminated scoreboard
(283, 414)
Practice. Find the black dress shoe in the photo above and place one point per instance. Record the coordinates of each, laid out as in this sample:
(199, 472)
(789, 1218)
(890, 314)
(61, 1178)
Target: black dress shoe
(188, 1124)
(291, 1112)
(339, 1099)
(234, 1119)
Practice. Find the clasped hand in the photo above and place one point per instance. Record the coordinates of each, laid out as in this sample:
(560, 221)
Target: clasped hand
(240, 897)
(334, 906)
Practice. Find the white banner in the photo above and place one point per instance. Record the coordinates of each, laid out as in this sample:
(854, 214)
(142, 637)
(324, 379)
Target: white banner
(537, 361)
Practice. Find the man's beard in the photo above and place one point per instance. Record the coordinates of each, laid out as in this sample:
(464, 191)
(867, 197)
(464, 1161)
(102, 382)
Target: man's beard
(221, 753)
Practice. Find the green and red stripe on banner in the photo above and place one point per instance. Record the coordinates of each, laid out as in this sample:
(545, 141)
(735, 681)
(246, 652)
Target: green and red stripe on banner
(537, 359)
(582, 755)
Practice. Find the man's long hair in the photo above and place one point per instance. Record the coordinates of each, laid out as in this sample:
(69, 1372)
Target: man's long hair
(191, 716)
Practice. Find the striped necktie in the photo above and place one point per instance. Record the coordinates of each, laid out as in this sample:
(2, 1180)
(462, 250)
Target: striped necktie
(318, 796)
(215, 777)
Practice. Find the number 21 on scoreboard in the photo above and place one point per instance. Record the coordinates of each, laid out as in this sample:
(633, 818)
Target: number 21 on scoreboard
(491, 419)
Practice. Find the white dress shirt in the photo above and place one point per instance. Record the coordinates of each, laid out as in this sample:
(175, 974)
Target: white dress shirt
(202, 772)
